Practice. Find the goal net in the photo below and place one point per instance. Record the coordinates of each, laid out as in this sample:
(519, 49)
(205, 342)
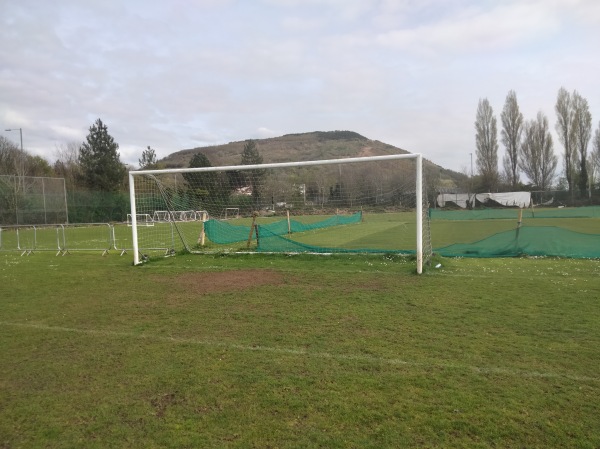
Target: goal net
(355, 205)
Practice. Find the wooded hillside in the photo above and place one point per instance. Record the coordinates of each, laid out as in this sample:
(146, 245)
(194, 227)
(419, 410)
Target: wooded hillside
(310, 146)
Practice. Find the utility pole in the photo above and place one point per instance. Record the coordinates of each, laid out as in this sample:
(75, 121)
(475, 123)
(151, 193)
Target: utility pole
(471, 164)
(470, 181)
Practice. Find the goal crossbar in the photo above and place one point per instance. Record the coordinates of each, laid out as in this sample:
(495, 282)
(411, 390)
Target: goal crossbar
(418, 188)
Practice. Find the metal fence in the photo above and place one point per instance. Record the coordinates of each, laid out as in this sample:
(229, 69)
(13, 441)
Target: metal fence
(32, 200)
(66, 238)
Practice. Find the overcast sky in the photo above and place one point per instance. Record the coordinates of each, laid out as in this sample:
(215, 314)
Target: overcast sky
(186, 73)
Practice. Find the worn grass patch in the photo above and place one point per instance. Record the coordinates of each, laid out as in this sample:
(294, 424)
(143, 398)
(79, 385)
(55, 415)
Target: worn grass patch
(302, 351)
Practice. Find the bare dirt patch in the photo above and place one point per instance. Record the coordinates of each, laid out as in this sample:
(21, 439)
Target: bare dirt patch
(366, 152)
(225, 281)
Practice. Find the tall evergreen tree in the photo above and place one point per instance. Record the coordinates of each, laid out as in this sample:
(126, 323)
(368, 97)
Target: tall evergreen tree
(486, 141)
(251, 156)
(101, 167)
(148, 159)
(210, 190)
(200, 181)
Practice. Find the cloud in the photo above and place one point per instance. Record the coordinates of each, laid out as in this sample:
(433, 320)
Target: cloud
(187, 74)
(265, 133)
(474, 29)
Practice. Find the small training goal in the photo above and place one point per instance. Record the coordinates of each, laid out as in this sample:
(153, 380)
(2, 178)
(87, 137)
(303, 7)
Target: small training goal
(230, 212)
(356, 205)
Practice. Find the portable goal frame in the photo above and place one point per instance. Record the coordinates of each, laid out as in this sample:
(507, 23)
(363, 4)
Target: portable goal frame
(418, 189)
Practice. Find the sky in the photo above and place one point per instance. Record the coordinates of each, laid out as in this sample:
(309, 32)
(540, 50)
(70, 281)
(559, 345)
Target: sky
(181, 74)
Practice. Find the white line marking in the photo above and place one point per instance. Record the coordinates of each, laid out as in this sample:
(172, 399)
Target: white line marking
(303, 352)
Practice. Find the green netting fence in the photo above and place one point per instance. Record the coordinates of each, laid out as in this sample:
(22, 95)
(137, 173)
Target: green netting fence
(530, 241)
(224, 233)
(271, 242)
(499, 214)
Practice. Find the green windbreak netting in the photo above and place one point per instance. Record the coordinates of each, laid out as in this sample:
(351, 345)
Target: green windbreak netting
(531, 241)
(271, 242)
(490, 214)
(223, 233)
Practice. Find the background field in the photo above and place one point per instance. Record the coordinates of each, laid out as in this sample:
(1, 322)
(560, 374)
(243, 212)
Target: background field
(298, 351)
(379, 231)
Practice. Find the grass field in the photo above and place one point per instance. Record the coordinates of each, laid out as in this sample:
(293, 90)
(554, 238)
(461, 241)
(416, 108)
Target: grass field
(388, 231)
(298, 351)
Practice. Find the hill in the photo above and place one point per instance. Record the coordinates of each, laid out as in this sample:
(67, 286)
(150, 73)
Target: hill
(315, 145)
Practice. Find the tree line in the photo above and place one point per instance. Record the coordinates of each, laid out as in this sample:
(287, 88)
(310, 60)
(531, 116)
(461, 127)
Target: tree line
(529, 147)
(93, 165)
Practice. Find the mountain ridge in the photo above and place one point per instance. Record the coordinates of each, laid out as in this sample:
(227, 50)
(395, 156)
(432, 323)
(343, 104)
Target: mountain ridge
(314, 145)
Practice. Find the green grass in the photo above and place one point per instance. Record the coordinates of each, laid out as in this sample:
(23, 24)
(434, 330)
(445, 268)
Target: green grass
(397, 231)
(387, 231)
(302, 351)
(447, 232)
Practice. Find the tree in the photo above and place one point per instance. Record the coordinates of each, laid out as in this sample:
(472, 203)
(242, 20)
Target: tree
(209, 190)
(596, 152)
(512, 128)
(486, 141)
(564, 128)
(582, 132)
(38, 166)
(67, 164)
(251, 156)
(10, 157)
(537, 158)
(200, 181)
(148, 159)
(99, 159)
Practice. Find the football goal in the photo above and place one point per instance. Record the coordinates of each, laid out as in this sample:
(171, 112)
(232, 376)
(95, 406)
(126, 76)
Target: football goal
(230, 212)
(355, 205)
(141, 220)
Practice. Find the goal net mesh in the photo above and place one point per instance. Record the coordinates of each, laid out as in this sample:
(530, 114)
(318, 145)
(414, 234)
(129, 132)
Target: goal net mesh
(365, 206)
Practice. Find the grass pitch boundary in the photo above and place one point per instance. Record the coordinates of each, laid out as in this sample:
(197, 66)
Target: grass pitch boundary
(303, 352)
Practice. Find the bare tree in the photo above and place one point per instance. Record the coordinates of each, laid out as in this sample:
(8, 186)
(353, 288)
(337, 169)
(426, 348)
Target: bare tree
(486, 141)
(67, 163)
(582, 132)
(537, 158)
(596, 153)
(512, 128)
(564, 128)
(10, 157)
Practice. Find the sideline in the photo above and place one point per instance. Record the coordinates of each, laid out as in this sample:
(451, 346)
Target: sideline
(303, 352)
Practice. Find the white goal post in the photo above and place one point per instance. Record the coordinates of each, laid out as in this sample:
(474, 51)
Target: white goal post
(343, 192)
